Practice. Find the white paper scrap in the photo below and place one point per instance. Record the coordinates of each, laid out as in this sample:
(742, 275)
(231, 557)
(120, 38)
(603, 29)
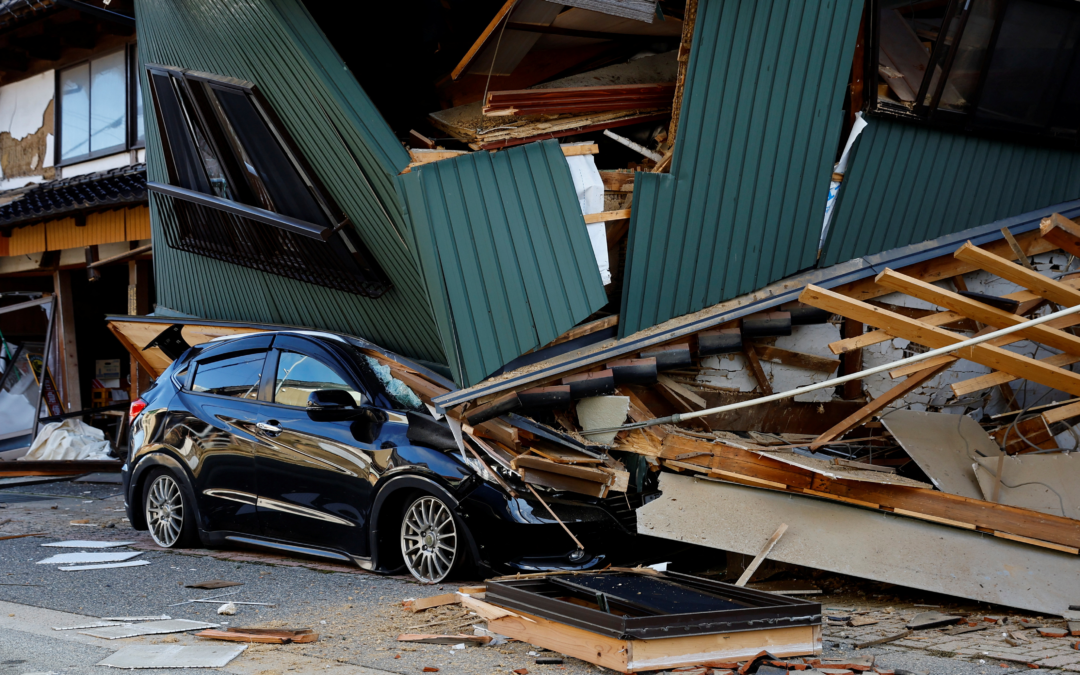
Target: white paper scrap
(87, 544)
(105, 566)
(83, 557)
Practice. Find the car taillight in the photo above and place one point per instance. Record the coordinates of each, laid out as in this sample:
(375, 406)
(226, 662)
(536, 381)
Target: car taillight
(137, 406)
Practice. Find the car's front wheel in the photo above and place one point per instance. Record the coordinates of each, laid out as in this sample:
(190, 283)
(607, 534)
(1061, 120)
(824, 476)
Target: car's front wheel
(432, 542)
(170, 520)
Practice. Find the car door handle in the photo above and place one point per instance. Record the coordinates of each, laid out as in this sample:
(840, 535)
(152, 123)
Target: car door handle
(269, 427)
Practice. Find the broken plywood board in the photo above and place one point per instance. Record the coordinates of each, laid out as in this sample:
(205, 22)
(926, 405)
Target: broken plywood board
(1047, 483)
(173, 656)
(602, 412)
(839, 471)
(862, 543)
(150, 628)
(944, 446)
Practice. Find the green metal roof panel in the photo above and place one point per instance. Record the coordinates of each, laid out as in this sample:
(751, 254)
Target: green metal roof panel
(276, 45)
(907, 184)
(758, 135)
(505, 252)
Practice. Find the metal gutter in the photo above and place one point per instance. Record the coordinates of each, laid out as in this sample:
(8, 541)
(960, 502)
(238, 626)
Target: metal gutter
(783, 291)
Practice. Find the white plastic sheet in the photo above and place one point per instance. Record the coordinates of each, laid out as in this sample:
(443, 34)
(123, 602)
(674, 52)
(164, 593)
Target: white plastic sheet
(841, 168)
(590, 193)
(70, 439)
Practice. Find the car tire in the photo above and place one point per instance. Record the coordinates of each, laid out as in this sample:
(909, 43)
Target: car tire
(434, 544)
(169, 516)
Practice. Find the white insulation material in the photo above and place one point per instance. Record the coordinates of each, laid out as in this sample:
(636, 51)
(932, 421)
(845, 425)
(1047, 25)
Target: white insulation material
(590, 194)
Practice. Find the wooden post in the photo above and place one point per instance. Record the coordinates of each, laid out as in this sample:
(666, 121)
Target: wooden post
(138, 305)
(65, 331)
(852, 361)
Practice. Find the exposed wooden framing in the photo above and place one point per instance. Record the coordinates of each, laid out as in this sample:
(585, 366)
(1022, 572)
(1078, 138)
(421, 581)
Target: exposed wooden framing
(44, 300)
(685, 43)
(935, 338)
(138, 305)
(580, 149)
(69, 356)
(985, 516)
(575, 100)
(750, 351)
(605, 216)
(1061, 414)
(1044, 287)
(1028, 301)
(123, 257)
(585, 329)
(875, 406)
(945, 267)
(1059, 230)
(978, 311)
(852, 361)
(796, 359)
(682, 391)
(482, 40)
(1021, 257)
(1019, 437)
(999, 378)
(760, 558)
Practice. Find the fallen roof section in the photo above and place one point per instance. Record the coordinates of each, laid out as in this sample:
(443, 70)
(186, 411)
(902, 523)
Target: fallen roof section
(863, 543)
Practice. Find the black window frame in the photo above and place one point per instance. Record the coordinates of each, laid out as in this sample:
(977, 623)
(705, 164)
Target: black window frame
(943, 54)
(130, 143)
(227, 218)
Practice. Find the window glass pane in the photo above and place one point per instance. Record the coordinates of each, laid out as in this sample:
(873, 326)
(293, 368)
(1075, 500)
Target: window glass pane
(140, 134)
(1035, 57)
(234, 376)
(108, 102)
(968, 62)
(400, 395)
(904, 53)
(287, 188)
(75, 111)
(298, 375)
(177, 134)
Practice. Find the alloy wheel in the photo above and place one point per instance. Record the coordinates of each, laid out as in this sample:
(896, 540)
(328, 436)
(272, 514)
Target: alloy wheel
(429, 540)
(165, 511)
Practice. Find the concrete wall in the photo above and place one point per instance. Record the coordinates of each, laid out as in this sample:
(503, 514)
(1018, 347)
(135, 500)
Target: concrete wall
(26, 131)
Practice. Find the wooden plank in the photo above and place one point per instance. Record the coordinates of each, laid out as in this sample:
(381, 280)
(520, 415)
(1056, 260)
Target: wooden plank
(985, 515)
(618, 181)
(1061, 414)
(680, 405)
(1038, 542)
(945, 267)
(987, 355)
(998, 378)
(797, 359)
(560, 454)
(683, 57)
(682, 391)
(978, 311)
(1044, 287)
(750, 351)
(66, 339)
(863, 414)
(852, 361)
(480, 41)
(561, 638)
(1062, 232)
(934, 519)
(236, 636)
(421, 604)
(605, 216)
(560, 482)
(580, 149)
(585, 329)
(756, 562)
(1019, 437)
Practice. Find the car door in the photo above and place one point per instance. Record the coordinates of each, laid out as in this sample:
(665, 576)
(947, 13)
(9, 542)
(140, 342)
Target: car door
(314, 467)
(220, 395)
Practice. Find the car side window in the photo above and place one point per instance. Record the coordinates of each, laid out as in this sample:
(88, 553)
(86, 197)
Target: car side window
(237, 375)
(299, 374)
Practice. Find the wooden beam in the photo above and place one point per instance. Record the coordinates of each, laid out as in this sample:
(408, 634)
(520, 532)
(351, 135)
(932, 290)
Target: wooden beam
(999, 378)
(69, 356)
(585, 329)
(755, 367)
(580, 149)
(1061, 414)
(125, 256)
(1059, 230)
(46, 299)
(991, 316)
(1027, 300)
(480, 41)
(765, 550)
(1044, 287)
(852, 361)
(605, 216)
(863, 414)
(138, 305)
(945, 267)
(930, 336)
(797, 359)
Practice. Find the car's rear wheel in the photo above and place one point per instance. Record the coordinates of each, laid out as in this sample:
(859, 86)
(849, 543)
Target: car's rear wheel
(432, 542)
(170, 520)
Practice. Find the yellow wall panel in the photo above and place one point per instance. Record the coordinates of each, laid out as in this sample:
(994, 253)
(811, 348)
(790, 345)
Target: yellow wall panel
(138, 223)
(63, 234)
(105, 227)
(27, 240)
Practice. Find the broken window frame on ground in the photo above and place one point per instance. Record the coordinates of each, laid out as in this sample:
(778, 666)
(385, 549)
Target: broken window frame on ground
(315, 243)
(944, 59)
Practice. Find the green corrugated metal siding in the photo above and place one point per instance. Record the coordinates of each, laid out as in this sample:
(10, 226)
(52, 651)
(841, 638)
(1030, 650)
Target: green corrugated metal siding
(907, 184)
(758, 135)
(276, 45)
(505, 252)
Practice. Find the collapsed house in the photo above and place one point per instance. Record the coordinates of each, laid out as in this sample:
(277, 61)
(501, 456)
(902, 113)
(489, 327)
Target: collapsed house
(592, 214)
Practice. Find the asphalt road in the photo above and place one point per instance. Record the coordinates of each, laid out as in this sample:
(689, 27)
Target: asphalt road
(358, 615)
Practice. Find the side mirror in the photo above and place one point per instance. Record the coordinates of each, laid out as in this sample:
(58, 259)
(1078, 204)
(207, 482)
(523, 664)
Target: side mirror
(330, 399)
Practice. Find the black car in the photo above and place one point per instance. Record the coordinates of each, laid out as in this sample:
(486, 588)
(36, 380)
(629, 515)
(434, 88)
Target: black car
(306, 442)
